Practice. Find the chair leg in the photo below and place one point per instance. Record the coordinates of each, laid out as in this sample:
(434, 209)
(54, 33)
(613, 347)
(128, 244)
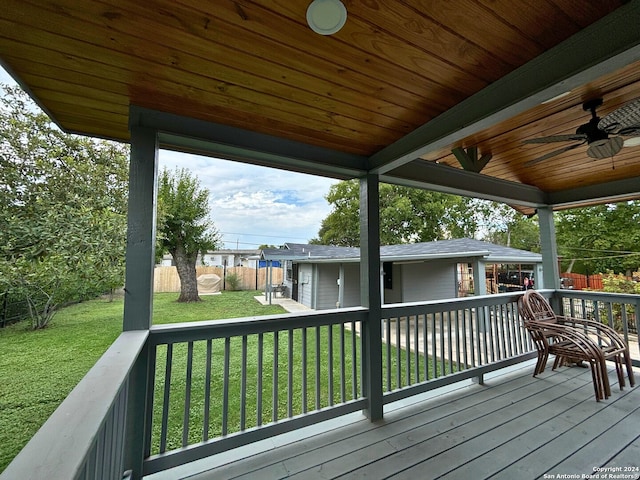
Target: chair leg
(604, 378)
(627, 361)
(618, 362)
(606, 387)
(542, 361)
(537, 369)
(558, 362)
(596, 381)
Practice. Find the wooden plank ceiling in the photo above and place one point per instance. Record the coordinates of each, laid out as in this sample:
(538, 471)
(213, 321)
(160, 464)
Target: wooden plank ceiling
(256, 65)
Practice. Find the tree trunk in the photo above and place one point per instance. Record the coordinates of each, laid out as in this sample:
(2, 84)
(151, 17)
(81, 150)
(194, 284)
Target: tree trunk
(186, 266)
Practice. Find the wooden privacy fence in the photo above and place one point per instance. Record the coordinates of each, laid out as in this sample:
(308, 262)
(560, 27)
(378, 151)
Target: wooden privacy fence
(166, 279)
(577, 281)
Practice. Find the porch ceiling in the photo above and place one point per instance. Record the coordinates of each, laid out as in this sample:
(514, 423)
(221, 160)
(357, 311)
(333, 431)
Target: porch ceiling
(394, 91)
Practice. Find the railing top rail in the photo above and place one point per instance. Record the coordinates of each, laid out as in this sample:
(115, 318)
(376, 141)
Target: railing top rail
(60, 446)
(605, 296)
(188, 331)
(435, 306)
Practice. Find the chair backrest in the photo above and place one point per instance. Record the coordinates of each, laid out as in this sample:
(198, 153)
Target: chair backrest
(534, 307)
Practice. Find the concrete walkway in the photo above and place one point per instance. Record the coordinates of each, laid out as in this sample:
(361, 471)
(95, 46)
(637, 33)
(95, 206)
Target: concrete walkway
(289, 305)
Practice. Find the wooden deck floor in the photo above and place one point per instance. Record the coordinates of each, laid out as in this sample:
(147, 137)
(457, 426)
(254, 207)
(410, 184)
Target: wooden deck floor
(512, 427)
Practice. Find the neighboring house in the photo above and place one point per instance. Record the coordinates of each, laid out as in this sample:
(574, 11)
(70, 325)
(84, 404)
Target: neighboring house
(323, 277)
(223, 258)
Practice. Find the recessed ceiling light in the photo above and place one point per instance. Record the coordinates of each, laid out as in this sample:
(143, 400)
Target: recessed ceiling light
(326, 17)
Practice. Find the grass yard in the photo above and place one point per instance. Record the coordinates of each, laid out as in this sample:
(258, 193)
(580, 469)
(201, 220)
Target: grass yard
(40, 368)
(245, 410)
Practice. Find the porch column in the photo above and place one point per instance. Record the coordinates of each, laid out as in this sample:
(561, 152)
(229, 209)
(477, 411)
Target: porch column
(341, 286)
(479, 278)
(549, 249)
(370, 295)
(141, 229)
(138, 300)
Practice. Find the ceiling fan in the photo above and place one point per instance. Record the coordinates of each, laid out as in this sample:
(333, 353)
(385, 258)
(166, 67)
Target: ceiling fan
(604, 136)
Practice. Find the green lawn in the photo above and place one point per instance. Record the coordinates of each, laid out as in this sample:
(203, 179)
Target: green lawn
(40, 368)
(255, 382)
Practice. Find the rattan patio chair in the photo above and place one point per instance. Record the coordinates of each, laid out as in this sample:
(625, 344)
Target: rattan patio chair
(566, 344)
(575, 339)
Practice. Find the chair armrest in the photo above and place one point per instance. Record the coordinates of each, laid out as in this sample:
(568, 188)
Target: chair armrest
(580, 342)
(603, 332)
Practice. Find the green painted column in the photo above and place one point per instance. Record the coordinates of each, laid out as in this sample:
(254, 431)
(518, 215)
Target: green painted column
(370, 294)
(141, 229)
(549, 250)
(138, 300)
(479, 278)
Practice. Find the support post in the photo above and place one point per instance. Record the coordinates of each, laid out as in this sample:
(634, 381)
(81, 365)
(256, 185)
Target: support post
(370, 294)
(138, 300)
(479, 278)
(141, 229)
(341, 286)
(549, 249)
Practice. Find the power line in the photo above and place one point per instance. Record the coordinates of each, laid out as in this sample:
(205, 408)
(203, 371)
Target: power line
(607, 256)
(236, 242)
(598, 250)
(261, 235)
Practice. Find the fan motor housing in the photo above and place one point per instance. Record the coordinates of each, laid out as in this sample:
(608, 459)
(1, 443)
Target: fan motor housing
(593, 133)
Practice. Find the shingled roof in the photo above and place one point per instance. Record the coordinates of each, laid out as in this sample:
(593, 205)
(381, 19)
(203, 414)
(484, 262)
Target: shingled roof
(456, 248)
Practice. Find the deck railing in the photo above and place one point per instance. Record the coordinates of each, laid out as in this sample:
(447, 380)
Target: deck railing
(85, 438)
(195, 389)
(217, 385)
(427, 345)
(618, 310)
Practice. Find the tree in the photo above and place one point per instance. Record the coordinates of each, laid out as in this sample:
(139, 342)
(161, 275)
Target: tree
(505, 226)
(600, 238)
(62, 210)
(184, 228)
(406, 215)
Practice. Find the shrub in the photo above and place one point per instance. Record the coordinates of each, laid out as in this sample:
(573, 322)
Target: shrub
(233, 281)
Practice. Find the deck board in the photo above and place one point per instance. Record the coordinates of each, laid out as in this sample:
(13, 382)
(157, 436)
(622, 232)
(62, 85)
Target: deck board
(513, 426)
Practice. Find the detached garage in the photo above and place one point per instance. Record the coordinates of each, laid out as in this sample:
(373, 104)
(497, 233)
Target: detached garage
(324, 277)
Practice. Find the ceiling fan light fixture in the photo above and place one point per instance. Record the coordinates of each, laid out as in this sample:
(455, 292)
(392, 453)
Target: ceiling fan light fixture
(599, 143)
(608, 149)
(632, 142)
(326, 17)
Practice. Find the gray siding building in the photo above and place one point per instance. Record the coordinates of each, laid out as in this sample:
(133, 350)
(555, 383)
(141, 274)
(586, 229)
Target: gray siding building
(325, 277)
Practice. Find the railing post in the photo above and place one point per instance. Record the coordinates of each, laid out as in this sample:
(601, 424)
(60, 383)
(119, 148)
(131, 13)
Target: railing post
(370, 294)
(137, 418)
(637, 315)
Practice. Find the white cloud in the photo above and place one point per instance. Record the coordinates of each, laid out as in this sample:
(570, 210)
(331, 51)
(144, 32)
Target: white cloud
(254, 205)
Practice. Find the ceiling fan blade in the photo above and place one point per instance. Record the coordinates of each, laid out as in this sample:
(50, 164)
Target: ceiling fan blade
(626, 116)
(607, 149)
(557, 138)
(632, 131)
(552, 154)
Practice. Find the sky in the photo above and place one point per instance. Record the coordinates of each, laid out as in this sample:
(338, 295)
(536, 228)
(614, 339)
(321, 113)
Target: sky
(251, 205)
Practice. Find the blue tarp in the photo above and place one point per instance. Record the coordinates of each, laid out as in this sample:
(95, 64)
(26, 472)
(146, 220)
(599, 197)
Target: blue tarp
(263, 263)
